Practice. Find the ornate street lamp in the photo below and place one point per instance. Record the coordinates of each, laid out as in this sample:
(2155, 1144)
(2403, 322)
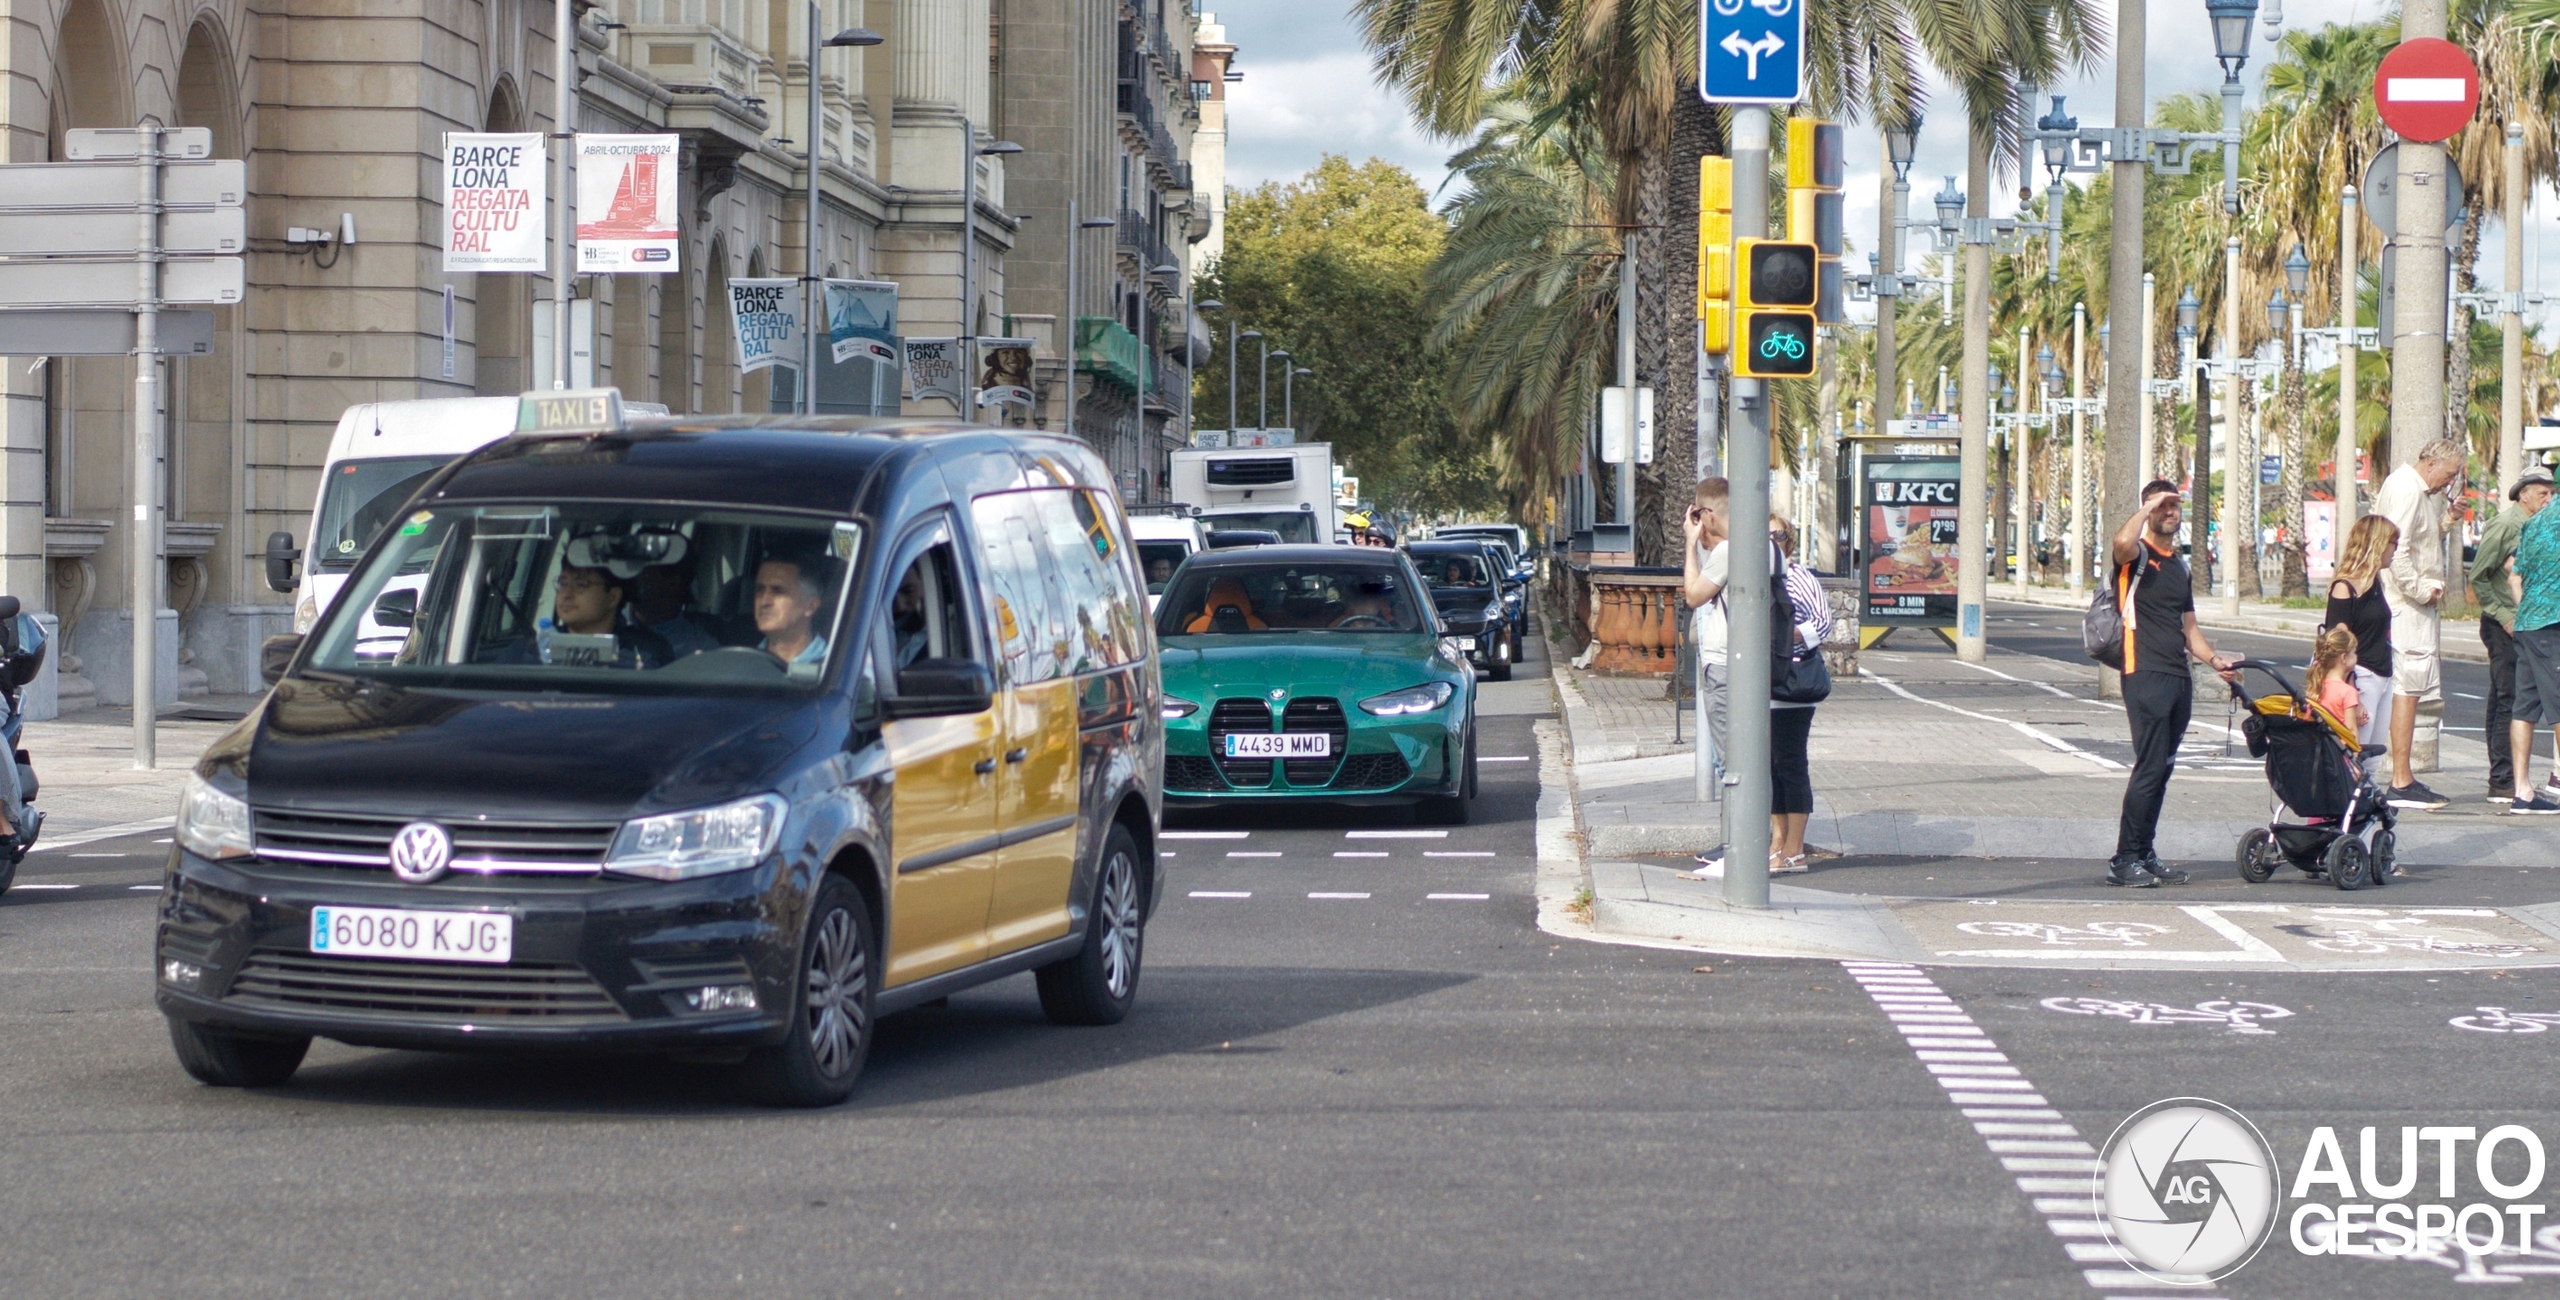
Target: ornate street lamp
(2297, 270)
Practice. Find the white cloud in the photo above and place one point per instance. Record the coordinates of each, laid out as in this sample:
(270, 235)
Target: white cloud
(1285, 115)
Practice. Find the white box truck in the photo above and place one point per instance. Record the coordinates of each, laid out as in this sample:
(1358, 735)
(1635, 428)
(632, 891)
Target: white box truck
(1284, 490)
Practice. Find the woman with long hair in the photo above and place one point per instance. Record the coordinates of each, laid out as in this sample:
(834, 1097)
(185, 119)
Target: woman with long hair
(2356, 604)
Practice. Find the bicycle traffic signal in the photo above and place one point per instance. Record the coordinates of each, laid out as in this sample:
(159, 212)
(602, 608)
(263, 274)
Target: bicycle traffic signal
(1777, 282)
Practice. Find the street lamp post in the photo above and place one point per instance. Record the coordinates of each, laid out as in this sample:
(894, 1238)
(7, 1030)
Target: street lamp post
(812, 271)
(2079, 534)
(2199, 487)
(1232, 339)
(1076, 226)
(1900, 142)
(971, 151)
(1262, 383)
(1288, 403)
(1142, 448)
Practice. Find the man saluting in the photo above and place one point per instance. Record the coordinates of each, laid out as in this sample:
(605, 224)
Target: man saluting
(2158, 601)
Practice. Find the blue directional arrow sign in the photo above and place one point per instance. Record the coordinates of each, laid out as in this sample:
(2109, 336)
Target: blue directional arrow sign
(1751, 51)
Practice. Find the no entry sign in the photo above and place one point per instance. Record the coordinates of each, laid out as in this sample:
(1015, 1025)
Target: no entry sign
(2426, 89)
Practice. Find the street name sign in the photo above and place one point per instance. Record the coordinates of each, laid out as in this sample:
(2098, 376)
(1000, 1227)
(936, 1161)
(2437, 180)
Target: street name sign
(124, 143)
(113, 186)
(2426, 89)
(214, 232)
(100, 333)
(1751, 51)
(63, 283)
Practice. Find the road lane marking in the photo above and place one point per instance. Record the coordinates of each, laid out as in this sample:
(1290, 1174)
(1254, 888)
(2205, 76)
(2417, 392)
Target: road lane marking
(1222, 893)
(1459, 897)
(1337, 895)
(1240, 853)
(48, 886)
(2042, 1151)
(1502, 758)
(2046, 738)
(137, 888)
(1355, 853)
(102, 855)
(1395, 835)
(1457, 853)
(1204, 835)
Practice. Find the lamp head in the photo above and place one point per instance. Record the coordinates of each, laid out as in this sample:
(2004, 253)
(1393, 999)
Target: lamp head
(2044, 357)
(2231, 20)
(2187, 310)
(1211, 305)
(1950, 203)
(1302, 370)
(1279, 355)
(853, 37)
(2103, 332)
(2059, 129)
(999, 147)
(2276, 309)
(2297, 269)
(1248, 334)
(1900, 142)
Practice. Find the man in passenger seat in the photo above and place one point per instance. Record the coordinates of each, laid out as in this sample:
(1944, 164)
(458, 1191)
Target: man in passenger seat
(788, 595)
(662, 601)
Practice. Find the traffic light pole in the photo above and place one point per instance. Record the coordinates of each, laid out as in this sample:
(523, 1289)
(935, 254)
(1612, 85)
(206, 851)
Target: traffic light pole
(1747, 586)
(1972, 498)
(1625, 478)
(2417, 327)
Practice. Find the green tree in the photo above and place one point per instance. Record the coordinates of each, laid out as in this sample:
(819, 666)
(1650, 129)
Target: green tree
(1330, 268)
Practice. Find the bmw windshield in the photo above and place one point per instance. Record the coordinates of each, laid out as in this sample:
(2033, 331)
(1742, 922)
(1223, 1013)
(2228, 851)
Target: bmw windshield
(1287, 596)
(596, 596)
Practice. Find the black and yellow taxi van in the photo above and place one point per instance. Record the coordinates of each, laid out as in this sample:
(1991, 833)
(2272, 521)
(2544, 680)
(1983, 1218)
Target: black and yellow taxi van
(719, 737)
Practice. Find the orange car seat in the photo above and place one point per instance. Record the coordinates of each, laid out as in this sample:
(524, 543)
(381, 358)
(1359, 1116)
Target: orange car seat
(1226, 594)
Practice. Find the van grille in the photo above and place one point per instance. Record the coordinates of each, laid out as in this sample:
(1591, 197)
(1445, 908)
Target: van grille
(1315, 713)
(457, 992)
(358, 840)
(1260, 471)
(1239, 715)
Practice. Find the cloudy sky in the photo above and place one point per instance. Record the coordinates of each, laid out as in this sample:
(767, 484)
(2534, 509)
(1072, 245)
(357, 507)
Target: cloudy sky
(1308, 91)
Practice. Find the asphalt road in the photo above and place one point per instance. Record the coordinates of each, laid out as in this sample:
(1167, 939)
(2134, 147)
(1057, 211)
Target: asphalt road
(1335, 1084)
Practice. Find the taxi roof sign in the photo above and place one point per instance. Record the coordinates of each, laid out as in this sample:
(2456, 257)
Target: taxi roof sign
(560, 412)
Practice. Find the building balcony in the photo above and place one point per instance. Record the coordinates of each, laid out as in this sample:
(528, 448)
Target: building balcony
(1107, 350)
(1138, 235)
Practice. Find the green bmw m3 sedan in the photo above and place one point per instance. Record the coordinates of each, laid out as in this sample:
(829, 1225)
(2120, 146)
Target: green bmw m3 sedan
(1313, 673)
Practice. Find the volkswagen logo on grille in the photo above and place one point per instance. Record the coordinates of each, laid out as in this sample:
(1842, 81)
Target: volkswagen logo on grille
(421, 852)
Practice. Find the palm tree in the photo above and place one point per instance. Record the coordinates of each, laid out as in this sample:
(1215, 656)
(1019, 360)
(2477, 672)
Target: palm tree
(2519, 85)
(2312, 137)
(1528, 279)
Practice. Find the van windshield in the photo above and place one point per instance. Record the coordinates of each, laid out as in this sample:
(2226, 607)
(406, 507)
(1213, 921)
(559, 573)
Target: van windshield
(361, 496)
(1291, 525)
(1160, 559)
(595, 596)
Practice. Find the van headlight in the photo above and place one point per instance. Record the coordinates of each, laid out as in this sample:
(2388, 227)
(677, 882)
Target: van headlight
(704, 842)
(212, 824)
(1414, 699)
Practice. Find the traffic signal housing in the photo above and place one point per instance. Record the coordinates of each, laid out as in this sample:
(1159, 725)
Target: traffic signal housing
(1715, 254)
(1777, 283)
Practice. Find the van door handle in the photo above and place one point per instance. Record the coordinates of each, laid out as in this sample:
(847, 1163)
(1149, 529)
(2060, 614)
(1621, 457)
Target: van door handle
(1016, 755)
(986, 765)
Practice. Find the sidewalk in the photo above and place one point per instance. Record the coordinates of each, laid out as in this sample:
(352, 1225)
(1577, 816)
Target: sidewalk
(2459, 638)
(85, 774)
(1951, 788)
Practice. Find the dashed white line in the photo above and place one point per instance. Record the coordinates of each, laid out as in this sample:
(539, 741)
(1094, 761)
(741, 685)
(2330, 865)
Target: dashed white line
(1204, 835)
(1457, 853)
(48, 886)
(1459, 897)
(1502, 758)
(2043, 1151)
(1241, 853)
(100, 855)
(142, 888)
(1222, 893)
(1337, 895)
(1361, 853)
(1395, 835)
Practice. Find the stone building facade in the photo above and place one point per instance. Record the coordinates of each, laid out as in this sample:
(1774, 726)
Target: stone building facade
(341, 109)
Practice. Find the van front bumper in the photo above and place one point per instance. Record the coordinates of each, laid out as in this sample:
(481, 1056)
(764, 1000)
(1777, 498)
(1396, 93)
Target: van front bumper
(597, 961)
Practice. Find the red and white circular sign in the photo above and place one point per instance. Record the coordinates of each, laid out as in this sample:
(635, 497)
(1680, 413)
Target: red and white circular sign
(2426, 89)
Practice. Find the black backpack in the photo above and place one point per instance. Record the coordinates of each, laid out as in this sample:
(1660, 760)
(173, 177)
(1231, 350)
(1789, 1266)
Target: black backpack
(2102, 629)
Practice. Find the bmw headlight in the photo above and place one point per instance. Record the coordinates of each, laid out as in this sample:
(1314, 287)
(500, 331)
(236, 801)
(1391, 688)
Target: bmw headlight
(212, 824)
(1174, 708)
(1412, 699)
(704, 842)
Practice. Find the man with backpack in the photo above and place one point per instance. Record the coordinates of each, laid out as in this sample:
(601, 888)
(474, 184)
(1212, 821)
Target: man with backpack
(2154, 599)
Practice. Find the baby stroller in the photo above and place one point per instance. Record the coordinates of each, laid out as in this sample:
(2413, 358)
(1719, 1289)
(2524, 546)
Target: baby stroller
(2314, 768)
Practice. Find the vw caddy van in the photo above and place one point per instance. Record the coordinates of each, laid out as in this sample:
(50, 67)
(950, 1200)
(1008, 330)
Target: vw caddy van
(719, 737)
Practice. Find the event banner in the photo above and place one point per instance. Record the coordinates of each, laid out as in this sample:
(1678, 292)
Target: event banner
(1004, 371)
(1910, 540)
(767, 316)
(493, 200)
(627, 204)
(862, 320)
(933, 370)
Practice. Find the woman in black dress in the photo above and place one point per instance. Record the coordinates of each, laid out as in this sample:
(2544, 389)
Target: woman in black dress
(2356, 604)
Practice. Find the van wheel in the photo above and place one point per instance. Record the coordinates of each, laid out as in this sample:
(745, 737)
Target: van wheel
(831, 1003)
(226, 1060)
(1098, 985)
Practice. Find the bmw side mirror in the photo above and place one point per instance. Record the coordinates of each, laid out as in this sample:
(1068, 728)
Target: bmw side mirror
(275, 655)
(935, 688)
(397, 608)
(282, 555)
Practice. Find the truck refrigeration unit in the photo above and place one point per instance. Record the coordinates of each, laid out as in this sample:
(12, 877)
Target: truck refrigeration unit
(1286, 490)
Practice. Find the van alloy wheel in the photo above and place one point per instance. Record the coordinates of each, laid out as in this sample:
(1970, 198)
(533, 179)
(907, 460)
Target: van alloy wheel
(1117, 914)
(838, 975)
(1099, 984)
(821, 1055)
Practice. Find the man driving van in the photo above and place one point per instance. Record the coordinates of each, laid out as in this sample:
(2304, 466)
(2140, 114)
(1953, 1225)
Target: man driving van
(788, 594)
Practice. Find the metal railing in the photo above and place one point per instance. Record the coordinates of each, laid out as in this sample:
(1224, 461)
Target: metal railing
(1138, 235)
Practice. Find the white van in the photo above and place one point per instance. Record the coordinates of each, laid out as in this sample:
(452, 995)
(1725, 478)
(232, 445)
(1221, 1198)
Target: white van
(381, 454)
(1170, 536)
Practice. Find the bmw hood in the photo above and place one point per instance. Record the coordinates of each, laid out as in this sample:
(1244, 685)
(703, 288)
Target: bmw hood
(1353, 666)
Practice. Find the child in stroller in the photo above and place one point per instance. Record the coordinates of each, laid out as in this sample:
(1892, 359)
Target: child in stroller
(2315, 770)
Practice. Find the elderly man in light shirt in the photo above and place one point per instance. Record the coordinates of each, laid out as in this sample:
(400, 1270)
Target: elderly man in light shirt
(2413, 584)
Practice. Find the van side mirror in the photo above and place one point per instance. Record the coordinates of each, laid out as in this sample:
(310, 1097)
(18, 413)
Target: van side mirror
(276, 654)
(397, 608)
(282, 555)
(934, 688)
